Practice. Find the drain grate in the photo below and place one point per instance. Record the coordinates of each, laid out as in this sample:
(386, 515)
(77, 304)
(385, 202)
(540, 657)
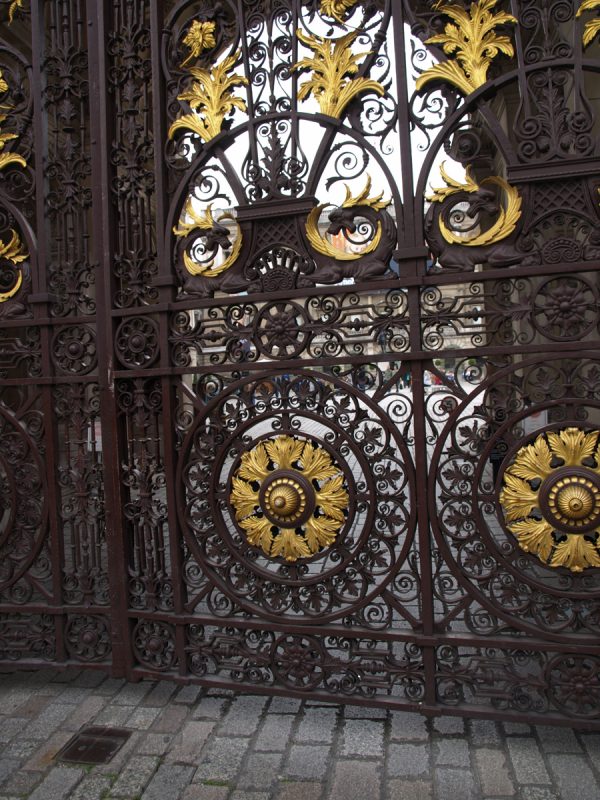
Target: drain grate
(96, 745)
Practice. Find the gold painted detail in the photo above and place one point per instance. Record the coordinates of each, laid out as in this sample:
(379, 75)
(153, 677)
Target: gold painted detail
(473, 42)
(201, 36)
(551, 498)
(12, 10)
(572, 500)
(285, 500)
(508, 215)
(332, 67)
(8, 158)
(289, 498)
(592, 28)
(13, 251)
(216, 237)
(211, 99)
(322, 245)
(336, 9)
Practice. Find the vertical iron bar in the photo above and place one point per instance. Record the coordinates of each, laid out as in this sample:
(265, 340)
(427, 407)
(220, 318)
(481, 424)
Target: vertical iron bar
(167, 292)
(101, 138)
(422, 482)
(40, 301)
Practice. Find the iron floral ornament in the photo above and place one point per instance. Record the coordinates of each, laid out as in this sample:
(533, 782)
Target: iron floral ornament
(289, 498)
(551, 498)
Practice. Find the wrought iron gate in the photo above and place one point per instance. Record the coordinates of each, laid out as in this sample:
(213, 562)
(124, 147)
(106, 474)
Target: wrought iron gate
(299, 347)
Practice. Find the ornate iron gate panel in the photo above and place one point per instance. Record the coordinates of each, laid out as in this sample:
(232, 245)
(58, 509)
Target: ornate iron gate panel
(299, 332)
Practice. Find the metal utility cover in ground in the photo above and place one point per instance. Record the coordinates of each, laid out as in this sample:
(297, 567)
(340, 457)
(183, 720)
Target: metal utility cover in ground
(95, 745)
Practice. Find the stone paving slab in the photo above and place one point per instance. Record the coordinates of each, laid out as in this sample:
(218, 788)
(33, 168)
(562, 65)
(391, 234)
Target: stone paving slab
(190, 743)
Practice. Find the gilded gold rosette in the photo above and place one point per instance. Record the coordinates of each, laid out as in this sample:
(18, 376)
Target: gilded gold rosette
(551, 498)
(289, 498)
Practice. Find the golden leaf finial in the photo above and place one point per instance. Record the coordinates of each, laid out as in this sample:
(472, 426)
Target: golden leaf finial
(201, 36)
(332, 67)
(472, 41)
(211, 99)
(592, 28)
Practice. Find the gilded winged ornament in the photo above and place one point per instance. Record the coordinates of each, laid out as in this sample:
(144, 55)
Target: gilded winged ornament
(508, 214)
(14, 252)
(472, 40)
(352, 205)
(8, 158)
(215, 237)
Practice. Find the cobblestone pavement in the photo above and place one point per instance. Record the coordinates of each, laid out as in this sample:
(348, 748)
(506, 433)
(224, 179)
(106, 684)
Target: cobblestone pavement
(193, 744)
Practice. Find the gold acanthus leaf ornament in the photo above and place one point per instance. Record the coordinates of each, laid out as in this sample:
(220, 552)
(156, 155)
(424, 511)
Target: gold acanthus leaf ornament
(206, 225)
(332, 67)
(8, 158)
(200, 37)
(592, 28)
(289, 498)
(336, 9)
(322, 245)
(211, 99)
(13, 251)
(508, 216)
(551, 498)
(472, 41)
